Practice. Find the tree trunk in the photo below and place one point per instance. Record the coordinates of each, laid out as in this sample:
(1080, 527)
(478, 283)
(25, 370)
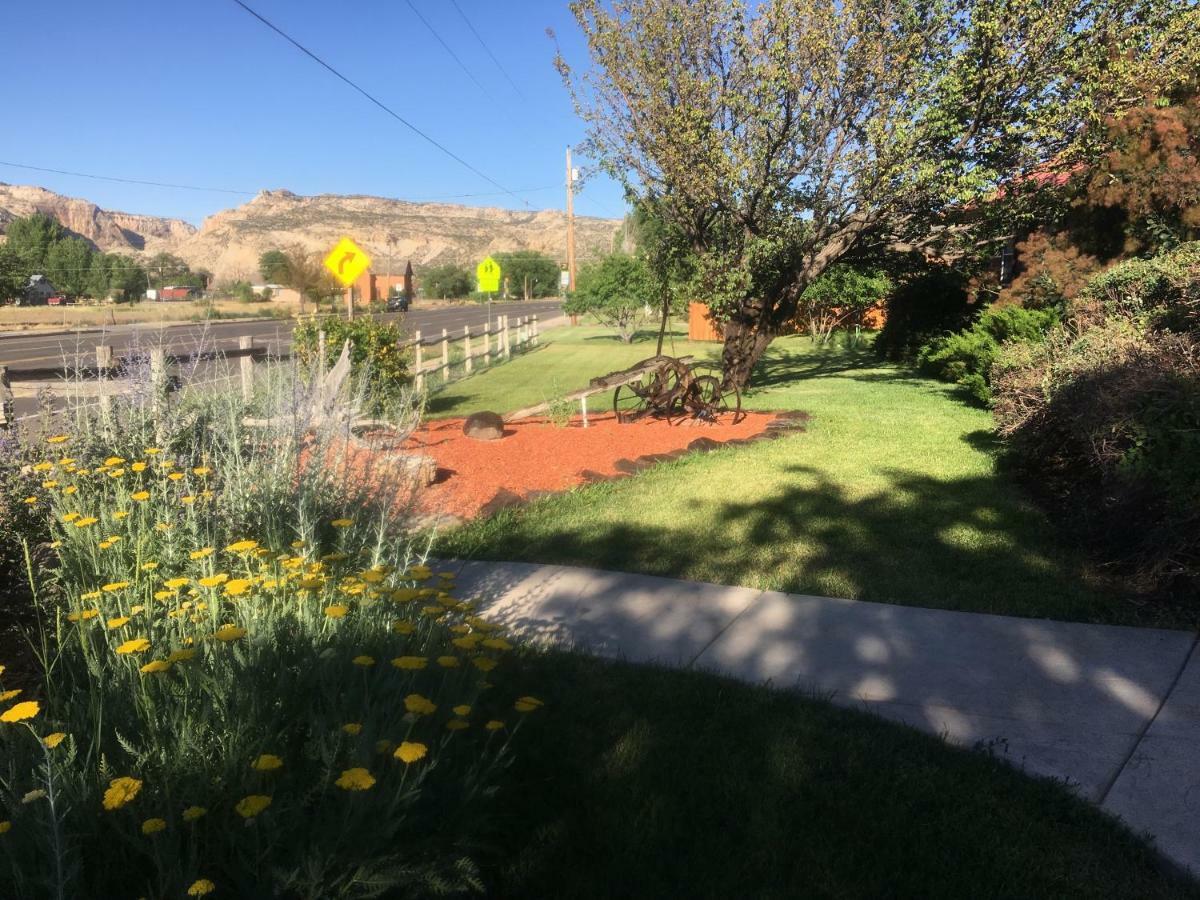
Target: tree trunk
(746, 338)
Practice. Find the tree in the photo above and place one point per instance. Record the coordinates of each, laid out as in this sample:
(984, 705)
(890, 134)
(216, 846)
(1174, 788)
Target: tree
(307, 275)
(14, 274)
(68, 265)
(447, 281)
(113, 275)
(33, 236)
(616, 290)
(839, 294)
(528, 274)
(781, 136)
(166, 269)
(273, 265)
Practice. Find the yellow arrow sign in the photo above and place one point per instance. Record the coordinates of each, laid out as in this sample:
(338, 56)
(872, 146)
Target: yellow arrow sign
(347, 261)
(487, 274)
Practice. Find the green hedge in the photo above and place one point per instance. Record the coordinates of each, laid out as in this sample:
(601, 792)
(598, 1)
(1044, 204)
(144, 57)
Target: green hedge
(379, 365)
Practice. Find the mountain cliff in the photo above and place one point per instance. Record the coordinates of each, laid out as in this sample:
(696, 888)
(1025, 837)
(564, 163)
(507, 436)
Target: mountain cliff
(393, 232)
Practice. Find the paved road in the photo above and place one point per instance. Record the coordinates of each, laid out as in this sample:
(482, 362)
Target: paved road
(36, 350)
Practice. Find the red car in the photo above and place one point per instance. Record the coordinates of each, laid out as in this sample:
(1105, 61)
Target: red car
(57, 300)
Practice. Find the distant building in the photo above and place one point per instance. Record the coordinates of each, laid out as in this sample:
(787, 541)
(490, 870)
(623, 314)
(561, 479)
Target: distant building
(39, 290)
(178, 292)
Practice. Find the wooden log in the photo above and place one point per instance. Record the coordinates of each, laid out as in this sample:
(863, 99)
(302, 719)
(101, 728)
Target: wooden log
(246, 367)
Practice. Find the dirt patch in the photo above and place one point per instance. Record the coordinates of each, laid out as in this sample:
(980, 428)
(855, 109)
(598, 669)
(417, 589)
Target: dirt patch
(536, 457)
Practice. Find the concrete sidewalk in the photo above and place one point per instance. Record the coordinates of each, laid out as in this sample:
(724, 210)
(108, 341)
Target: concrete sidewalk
(1114, 711)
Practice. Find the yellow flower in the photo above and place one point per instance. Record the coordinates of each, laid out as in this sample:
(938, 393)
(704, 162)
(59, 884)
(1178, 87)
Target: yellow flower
(214, 580)
(135, 609)
(229, 633)
(176, 583)
(30, 500)
(352, 728)
(242, 546)
(187, 500)
(409, 752)
(457, 724)
(419, 573)
(121, 791)
(405, 595)
(140, 495)
(8, 695)
(363, 660)
(337, 610)
(180, 655)
(237, 586)
(192, 813)
(138, 467)
(163, 595)
(462, 710)
(409, 662)
(21, 711)
(48, 485)
(356, 779)
(468, 642)
(162, 526)
(403, 627)
(5, 827)
(37, 794)
(483, 663)
(527, 704)
(117, 622)
(201, 553)
(58, 439)
(494, 725)
(113, 461)
(136, 645)
(155, 666)
(152, 451)
(342, 523)
(70, 489)
(116, 473)
(176, 476)
(114, 586)
(153, 826)
(70, 517)
(448, 662)
(120, 514)
(202, 471)
(268, 762)
(86, 521)
(201, 887)
(51, 741)
(149, 566)
(415, 703)
(251, 806)
(497, 643)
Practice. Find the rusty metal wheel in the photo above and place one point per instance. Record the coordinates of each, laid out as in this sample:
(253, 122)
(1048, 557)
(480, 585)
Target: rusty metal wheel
(711, 401)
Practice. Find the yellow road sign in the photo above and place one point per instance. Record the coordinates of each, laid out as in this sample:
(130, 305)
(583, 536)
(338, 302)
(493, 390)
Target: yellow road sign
(347, 261)
(487, 274)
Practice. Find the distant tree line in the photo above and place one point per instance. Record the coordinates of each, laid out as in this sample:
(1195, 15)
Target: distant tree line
(39, 245)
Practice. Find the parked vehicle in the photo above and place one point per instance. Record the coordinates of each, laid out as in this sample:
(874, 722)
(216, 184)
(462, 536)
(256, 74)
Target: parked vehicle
(397, 303)
(57, 300)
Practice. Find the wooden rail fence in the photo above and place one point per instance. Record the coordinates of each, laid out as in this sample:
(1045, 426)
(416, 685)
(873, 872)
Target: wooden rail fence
(493, 343)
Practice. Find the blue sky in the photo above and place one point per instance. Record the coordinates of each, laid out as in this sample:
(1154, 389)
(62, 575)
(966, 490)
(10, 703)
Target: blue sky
(198, 92)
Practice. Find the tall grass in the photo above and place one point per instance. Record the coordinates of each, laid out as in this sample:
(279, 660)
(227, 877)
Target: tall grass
(249, 681)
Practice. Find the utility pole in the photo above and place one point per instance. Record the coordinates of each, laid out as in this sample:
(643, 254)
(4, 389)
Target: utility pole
(570, 223)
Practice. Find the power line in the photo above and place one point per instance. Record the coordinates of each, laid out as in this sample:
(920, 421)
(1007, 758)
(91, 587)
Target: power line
(387, 109)
(446, 47)
(165, 184)
(192, 187)
(487, 49)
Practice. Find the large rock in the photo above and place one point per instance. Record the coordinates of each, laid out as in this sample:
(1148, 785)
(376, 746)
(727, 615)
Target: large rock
(484, 426)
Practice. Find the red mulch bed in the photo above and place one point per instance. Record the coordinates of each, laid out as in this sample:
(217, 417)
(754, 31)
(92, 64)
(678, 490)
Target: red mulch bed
(535, 455)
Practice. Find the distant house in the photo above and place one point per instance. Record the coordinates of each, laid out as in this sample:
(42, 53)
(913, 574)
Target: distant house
(39, 290)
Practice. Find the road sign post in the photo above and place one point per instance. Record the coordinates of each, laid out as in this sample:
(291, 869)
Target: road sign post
(346, 262)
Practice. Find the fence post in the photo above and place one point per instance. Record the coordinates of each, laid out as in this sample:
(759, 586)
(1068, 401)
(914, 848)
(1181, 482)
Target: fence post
(419, 361)
(6, 399)
(507, 339)
(445, 356)
(159, 383)
(487, 344)
(246, 365)
(321, 353)
(467, 348)
(523, 331)
(535, 331)
(104, 358)
(583, 409)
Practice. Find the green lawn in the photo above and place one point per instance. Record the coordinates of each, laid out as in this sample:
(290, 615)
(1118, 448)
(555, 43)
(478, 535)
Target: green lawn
(637, 782)
(891, 495)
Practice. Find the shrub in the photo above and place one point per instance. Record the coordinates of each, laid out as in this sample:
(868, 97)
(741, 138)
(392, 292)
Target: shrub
(379, 365)
(966, 357)
(1107, 423)
(923, 306)
(1163, 291)
(616, 291)
(842, 293)
(249, 681)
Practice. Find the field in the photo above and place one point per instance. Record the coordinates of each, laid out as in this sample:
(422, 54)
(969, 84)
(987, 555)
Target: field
(893, 494)
(77, 315)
